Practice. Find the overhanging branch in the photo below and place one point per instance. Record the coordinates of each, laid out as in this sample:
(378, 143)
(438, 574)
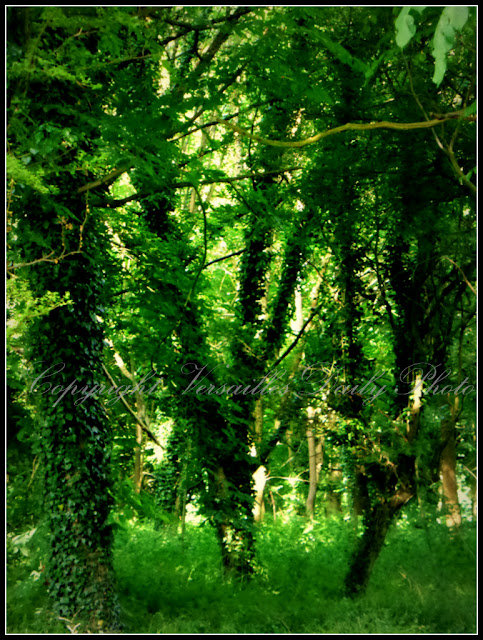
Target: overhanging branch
(299, 335)
(350, 126)
(187, 183)
(288, 144)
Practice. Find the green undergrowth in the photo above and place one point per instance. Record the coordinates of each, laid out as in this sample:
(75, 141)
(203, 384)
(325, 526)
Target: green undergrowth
(423, 582)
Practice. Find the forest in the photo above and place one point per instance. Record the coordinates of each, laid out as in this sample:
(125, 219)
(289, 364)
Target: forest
(241, 320)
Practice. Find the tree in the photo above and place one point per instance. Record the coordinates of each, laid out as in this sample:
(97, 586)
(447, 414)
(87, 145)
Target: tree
(228, 196)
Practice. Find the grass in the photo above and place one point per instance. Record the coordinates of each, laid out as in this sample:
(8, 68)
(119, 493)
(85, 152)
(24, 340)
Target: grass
(423, 582)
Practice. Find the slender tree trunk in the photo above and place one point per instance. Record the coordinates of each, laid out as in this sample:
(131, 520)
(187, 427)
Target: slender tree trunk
(138, 459)
(334, 501)
(470, 467)
(260, 475)
(360, 494)
(142, 417)
(260, 480)
(315, 465)
(473, 493)
(448, 474)
(182, 497)
(290, 451)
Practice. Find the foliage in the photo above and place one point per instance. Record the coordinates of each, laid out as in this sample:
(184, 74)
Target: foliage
(424, 583)
(266, 215)
(452, 20)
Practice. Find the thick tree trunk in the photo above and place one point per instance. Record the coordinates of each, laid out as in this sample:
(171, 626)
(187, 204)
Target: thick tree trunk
(377, 521)
(76, 441)
(368, 549)
(237, 549)
(233, 526)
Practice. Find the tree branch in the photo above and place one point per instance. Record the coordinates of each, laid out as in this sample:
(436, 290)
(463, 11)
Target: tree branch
(461, 271)
(101, 181)
(230, 255)
(299, 335)
(183, 185)
(147, 431)
(297, 144)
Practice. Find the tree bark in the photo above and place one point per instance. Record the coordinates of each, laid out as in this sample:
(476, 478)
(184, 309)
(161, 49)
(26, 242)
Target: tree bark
(260, 475)
(334, 502)
(234, 532)
(448, 474)
(377, 522)
(260, 480)
(315, 465)
(368, 549)
(138, 459)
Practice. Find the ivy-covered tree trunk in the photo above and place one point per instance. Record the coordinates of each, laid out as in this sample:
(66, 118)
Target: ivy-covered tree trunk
(53, 123)
(75, 435)
(421, 328)
(222, 450)
(377, 521)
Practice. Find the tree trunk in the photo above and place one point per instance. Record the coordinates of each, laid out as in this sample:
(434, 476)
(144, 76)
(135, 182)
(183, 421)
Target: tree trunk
(448, 474)
(260, 475)
(360, 494)
(315, 465)
(334, 501)
(139, 450)
(260, 480)
(237, 547)
(377, 521)
(138, 459)
(233, 529)
(182, 497)
(368, 549)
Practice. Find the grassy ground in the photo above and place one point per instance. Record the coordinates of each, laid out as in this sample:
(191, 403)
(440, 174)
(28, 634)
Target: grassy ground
(423, 582)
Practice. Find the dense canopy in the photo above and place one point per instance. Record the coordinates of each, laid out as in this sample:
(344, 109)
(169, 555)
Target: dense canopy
(241, 291)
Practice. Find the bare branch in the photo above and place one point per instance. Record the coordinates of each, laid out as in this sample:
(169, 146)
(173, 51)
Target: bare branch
(230, 255)
(350, 126)
(462, 273)
(64, 254)
(299, 335)
(106, 179)
(147, 431)
(183, 185)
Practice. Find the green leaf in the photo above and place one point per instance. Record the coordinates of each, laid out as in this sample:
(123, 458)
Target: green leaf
(343, 54)
(17, 171)
(470, 110)
(405, 27)
(452, 19)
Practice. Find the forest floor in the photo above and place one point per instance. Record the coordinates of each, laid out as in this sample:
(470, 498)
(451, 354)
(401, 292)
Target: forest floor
(424, 582)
